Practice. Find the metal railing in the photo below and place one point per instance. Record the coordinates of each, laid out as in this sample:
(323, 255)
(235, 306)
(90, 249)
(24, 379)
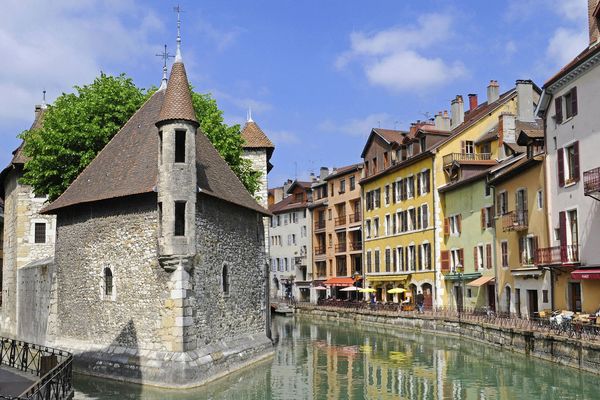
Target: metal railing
(53, 367)
(319, 250)
(320, 224)
(579, 327)
(354, 218)
(568, 254)
(450, 158)
(340, 247)
(515, 221)
(339, 221)
(355, 246)
(591, 181)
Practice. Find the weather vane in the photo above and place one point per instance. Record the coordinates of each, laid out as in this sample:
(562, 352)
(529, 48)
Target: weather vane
(178, 10)
(165, 56)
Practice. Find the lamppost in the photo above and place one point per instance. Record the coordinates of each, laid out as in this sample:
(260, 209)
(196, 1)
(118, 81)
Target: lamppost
(460, 270)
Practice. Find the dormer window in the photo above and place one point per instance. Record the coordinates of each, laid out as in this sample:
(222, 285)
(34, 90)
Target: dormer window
(160, 147)
(423, 143)
(180, 146)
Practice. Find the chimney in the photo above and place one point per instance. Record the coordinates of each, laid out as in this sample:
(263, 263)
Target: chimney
(442, 121)
(38, 110)
(323, 173)
(506, 129)
(312, 177)
(593, 16)
(493, 92)
(525, 100)
(457, 109)
(472, 101)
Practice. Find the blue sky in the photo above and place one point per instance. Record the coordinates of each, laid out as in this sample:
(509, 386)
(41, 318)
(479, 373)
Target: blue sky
(318, 74)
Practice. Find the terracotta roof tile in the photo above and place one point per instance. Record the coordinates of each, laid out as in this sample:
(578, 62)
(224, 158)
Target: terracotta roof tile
(178, 99)
(254, 137)
(19, 156)
(287, 204)
(128, 165)
(343, 171)
(581, 57)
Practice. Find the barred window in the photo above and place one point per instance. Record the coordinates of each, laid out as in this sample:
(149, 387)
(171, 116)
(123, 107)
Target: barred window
(40, 232)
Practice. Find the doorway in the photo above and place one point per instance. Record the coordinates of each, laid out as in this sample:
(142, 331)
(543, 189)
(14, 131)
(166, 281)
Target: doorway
(428, 294)
(508, 299)
(532, 303)
(518, 302)
(491, 291)
(575, 296)
(459, 298)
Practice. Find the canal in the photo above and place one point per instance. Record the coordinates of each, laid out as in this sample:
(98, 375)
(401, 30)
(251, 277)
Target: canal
(327, 360)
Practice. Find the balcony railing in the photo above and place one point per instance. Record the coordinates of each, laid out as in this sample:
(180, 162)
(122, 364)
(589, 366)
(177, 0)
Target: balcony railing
(340, 247)
(320, 224)
(556, 255)
(591, 181)
(339, 221)
(319, 250)
(514, 221)
(355, 246)
(450, 158)
(354, 218)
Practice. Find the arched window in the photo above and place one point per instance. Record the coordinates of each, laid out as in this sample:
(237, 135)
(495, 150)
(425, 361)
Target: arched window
(108, 282)
(225, 279)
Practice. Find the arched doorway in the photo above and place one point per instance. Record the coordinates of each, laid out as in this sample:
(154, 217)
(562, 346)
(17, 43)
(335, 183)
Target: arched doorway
(428, 294)
(412, 288)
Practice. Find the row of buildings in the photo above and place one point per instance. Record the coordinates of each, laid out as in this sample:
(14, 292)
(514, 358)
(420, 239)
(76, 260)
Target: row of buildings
(495, 204)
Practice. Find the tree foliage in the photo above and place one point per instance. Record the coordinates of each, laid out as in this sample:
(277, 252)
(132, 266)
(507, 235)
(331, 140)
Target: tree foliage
(78, 125)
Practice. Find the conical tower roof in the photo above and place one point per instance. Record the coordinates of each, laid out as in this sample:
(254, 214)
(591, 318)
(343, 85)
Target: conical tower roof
(178, 98)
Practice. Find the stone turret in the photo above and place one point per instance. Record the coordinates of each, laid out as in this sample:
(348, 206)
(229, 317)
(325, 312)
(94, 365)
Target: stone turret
(177, 180)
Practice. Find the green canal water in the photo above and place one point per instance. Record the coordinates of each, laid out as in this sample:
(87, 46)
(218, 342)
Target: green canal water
(326, 360)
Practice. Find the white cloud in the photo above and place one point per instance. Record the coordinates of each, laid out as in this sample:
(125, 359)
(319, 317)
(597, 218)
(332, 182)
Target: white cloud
(243, 103)
(395, 59)
(55, 45)
(284, 138)
(565, 44)
(358, 126)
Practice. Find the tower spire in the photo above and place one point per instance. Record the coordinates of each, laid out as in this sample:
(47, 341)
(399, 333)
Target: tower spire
(178, 10)
(249, 115)
(44, 105)
(165, 56)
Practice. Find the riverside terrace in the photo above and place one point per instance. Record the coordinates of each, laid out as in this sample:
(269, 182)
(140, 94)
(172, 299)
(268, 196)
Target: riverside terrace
(33, 372)
(560, 323)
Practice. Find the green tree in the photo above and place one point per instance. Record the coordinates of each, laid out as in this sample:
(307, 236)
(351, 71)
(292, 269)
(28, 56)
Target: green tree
(78, 125)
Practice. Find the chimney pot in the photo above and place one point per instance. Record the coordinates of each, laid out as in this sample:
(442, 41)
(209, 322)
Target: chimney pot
(525, 100)
(472, 101)
(493, 91)
(457, 111)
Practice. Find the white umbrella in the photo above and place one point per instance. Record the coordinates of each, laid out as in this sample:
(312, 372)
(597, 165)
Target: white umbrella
(349, 289)
(320, 288)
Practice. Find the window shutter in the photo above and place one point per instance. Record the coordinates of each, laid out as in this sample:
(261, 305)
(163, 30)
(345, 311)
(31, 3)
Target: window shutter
(558, 108)
(446, 227)
(418, 184)
(561, 167)
(488, 256)
(425, 216)
(429, 257)
(574, 101)
(458, 221)
(461, 257)
(562, 220)
(475, 265)
(463, 147)
(419, 218)
(498, 204)
(426, 181)
(534, 250)
(483, 225)
(521, 248)
(445, 260)
(419, 258)
(394, 192)
(576, 163)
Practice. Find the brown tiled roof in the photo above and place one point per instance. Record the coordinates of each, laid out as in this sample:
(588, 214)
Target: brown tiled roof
(490, 135)
(581, 57)
(503, 173)
(178, 99)
(287, 204)
(391, 135)
(343, 171)
(255, 138)
(531, 129)
(128, 165)
(19, 156)
(463, 181)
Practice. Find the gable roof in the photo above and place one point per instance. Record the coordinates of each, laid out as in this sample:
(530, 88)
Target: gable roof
(343, 171)
(390, 136)
(574, 63)
(128, 165)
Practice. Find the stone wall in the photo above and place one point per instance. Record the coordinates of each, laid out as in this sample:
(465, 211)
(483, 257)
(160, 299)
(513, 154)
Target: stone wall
(565, 351)
(122, 236)
(232, 236)
(35, 288)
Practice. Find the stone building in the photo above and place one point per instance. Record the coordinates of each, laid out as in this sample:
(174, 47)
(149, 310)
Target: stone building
(160, 269)
(28, 237)
(290, 234)
(259, 149)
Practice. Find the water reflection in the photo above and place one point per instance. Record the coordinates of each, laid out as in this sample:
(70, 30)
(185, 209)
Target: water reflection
(326, 360)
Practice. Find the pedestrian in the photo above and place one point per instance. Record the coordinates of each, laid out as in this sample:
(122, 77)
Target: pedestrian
(420, 300)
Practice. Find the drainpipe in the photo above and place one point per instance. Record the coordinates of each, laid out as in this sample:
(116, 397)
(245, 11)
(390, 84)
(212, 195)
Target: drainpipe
(435, 232)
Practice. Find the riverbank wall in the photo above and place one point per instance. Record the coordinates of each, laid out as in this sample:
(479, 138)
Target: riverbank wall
(575, 353)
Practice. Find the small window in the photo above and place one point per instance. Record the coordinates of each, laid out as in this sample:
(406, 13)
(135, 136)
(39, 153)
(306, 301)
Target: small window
(160, 147)
(179, 146)
(488, 190)
(352, 183)
(343, 186)
(423, 143)
(180, 218)
(108, 282)
(160, 213)
(225, 279)
(504, 249)
(544, 296)
(540, 199)
(40, 232)
(469, 147)
(469, 292)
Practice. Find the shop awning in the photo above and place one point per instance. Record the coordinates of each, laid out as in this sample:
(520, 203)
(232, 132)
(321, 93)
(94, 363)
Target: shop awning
(526, 272)
(586, 274)
(341, 281)
(481, 281)
(464, 277)
(387, 278)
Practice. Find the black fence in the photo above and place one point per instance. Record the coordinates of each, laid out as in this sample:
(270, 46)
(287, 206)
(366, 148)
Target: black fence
(578, 326)
(53, 367)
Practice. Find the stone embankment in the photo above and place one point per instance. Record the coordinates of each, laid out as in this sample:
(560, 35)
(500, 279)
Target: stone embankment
(576, 353)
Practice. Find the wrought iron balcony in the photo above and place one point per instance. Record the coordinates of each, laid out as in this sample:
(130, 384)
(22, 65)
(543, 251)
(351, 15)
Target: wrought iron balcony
(591, 182)
(340, 247)
(515, 221)
(320, 224)
(341, 220)
(319, 250)
(450, 158)
(354, 218)
(355, 246)
(558, 255)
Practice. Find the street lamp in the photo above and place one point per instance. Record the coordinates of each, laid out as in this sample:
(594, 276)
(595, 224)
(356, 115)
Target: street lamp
(460, 271)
